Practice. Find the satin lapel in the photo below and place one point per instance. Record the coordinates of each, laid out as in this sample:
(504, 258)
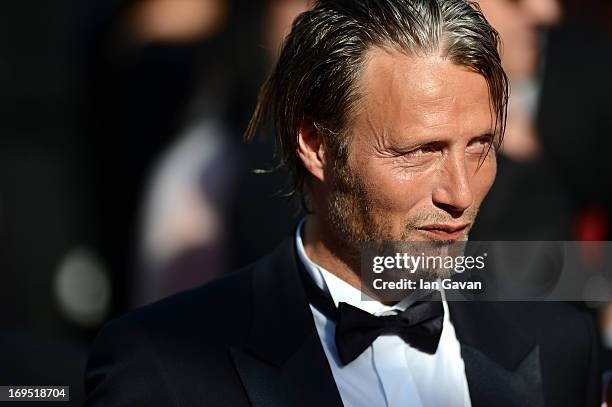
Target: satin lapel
(502, 364)
(283, 363)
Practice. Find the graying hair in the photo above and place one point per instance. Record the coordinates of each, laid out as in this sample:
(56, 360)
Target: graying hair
(322, 57)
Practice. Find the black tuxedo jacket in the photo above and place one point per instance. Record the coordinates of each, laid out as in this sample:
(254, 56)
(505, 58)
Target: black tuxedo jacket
(249, 339)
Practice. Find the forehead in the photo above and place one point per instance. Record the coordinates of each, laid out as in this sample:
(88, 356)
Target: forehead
(422, 96)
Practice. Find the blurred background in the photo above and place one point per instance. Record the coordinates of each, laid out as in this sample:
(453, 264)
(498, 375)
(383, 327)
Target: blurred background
(124, 177)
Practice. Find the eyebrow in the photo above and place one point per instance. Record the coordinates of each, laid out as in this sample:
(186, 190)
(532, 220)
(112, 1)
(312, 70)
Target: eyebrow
(408, 145)
(490, 133)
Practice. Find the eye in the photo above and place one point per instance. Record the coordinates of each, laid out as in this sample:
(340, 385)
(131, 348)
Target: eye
(422, 150)
(480, 144)
(421, 155)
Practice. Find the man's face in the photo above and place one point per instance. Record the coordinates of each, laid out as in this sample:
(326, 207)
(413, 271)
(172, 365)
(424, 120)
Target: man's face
(422, 128)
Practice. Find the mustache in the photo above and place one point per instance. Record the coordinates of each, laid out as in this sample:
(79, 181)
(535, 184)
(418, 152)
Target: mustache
(428, 218)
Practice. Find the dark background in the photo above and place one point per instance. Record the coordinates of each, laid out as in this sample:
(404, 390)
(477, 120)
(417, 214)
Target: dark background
(95, 94)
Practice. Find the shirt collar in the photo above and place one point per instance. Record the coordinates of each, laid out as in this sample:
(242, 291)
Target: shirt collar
(340, 290)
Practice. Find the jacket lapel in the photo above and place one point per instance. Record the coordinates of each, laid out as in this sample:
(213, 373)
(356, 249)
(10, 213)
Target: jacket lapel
(283, 362)
(502, 364)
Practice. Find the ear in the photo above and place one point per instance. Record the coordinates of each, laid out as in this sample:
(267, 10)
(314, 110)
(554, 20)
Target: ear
(311, 149)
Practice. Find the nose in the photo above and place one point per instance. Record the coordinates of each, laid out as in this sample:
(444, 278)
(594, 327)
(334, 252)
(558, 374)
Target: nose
(453, 192)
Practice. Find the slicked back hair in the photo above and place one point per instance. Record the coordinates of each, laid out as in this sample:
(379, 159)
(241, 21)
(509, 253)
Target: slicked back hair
(317, 72)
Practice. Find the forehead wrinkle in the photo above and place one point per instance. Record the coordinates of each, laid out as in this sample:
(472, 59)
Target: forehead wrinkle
(377, 121)
(377, 135)
(394, 106)
(429, 105)
(435, 115)
(432, 88)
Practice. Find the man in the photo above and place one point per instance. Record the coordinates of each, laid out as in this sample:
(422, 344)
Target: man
(388, 114)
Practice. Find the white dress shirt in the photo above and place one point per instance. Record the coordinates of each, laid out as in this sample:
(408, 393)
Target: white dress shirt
(389, 372)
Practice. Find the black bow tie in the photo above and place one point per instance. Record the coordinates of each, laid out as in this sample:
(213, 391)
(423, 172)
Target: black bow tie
(419, 325)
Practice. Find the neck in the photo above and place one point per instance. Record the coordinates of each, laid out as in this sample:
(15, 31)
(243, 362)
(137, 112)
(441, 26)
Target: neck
(324, 249)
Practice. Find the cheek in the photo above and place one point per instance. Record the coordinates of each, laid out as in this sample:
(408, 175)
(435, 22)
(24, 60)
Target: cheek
(393, 192)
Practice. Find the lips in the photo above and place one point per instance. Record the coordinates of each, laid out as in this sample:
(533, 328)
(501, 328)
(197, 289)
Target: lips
(444, 231)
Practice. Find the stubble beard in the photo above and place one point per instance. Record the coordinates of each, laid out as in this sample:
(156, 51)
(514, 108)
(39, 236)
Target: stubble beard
(354, 222)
